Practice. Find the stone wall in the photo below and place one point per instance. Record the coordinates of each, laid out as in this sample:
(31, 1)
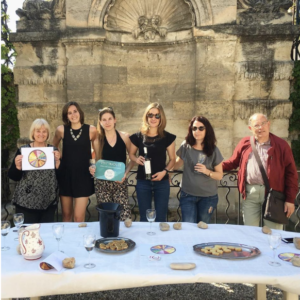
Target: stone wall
(222, 59)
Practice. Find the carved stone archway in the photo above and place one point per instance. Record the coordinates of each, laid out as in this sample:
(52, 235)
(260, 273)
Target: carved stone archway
(201, 9)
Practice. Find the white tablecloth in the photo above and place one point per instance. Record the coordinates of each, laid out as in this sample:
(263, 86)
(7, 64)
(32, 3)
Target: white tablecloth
(22, 278)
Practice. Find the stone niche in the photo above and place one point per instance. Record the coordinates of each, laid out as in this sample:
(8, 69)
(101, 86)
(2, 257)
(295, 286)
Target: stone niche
(222, 59)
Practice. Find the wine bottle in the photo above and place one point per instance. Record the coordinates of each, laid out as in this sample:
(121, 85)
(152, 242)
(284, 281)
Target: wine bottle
(147, 165)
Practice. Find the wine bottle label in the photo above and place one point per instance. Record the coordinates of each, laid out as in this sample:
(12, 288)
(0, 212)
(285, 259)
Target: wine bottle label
(147, 167)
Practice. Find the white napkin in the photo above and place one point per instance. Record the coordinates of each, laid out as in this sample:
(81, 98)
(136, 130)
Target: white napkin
(55, 260)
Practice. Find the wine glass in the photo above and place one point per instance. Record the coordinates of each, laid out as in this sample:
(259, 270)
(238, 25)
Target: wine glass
(89, 244)
(201, 160)
(151, 215)
(5, 226)
(58, 231)
(274, 242)
(18, 221)
(93, 164)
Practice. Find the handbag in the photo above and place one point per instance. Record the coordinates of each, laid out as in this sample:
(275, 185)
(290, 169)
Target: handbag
(273, 206)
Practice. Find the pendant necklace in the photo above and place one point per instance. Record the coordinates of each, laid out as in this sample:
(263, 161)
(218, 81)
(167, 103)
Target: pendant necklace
(75, 138)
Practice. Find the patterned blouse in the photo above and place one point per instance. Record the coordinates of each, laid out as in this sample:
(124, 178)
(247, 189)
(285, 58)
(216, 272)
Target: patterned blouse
(35, 189)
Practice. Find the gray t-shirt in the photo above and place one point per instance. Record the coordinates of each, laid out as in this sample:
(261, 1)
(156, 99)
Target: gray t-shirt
(198, 184)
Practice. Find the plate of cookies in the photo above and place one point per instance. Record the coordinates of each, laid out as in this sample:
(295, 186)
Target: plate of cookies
(226, 250)
(115, 245)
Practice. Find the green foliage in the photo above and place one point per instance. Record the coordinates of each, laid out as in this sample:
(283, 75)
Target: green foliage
(295, 118)
(9, 114)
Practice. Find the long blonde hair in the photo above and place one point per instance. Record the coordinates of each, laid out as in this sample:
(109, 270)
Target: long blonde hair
(163, 120)
(101, 131)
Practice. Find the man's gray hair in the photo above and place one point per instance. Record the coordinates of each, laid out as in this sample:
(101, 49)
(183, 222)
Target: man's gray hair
(254, 115)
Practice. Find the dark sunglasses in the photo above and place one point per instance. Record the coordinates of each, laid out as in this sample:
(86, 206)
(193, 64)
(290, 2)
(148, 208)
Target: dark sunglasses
(157, 116)
(201, 128)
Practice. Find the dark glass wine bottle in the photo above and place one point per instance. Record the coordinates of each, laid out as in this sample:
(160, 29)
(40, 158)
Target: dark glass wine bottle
(147, 165)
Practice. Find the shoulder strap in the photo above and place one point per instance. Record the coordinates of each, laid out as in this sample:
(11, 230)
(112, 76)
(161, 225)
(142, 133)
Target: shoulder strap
(262, 170)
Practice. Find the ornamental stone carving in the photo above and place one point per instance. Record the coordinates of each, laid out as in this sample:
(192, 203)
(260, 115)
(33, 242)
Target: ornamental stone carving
(40, 9)
(149, 18)
(149, 27)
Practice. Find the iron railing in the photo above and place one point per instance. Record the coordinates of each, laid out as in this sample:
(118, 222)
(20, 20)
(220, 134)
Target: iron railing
(228, 185)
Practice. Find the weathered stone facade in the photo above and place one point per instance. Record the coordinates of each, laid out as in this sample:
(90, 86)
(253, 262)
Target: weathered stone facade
(223, 59)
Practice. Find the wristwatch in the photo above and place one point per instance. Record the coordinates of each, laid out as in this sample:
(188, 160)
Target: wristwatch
(166, 170)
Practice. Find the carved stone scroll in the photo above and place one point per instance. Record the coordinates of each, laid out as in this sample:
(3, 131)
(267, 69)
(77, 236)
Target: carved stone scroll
(42, 10)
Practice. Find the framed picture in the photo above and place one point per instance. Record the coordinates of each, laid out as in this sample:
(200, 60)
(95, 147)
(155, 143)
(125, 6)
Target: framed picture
(109, 170)
(37, 158)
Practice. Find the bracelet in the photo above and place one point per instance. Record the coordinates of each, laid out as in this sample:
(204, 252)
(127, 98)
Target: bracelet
(166, 170)
(210, 173)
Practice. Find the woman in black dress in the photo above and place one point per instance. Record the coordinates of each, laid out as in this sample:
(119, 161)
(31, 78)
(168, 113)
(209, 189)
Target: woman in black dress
(75, 181)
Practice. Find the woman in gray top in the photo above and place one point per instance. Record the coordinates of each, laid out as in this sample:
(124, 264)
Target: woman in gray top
(202, 162)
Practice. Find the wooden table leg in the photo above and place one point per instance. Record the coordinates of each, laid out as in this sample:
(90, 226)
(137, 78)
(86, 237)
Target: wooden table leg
(260, 292)
(289, 296)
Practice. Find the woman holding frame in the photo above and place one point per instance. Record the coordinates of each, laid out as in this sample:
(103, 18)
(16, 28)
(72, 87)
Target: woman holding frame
(112, 145)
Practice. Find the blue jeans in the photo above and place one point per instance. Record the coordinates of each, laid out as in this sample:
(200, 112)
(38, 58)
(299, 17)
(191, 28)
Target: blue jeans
(161, 190)
(195, 209)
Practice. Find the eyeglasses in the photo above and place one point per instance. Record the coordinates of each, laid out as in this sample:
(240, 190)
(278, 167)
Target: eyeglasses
(150, 116)
(257, 126)
(106, 108)
(201, 128)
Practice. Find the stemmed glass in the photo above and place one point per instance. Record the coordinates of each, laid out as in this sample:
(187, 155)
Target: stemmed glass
(201, 160)
(93, 164)
(58, 231)
(274, 242)
(18, 221)
(151, 215)
(89, 244)
(5, 226)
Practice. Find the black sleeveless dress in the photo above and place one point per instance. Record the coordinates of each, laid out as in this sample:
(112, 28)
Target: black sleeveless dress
(75, 179)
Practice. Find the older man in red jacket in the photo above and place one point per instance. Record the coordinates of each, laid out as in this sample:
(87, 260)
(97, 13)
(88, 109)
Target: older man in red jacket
(278, 162)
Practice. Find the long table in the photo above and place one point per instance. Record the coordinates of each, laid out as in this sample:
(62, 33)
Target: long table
(22, 278)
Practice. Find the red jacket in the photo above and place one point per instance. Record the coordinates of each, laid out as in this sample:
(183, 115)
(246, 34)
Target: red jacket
(281, 168)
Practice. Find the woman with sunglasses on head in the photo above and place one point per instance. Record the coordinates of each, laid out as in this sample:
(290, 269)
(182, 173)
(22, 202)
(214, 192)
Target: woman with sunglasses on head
(202, 162)
(112, 145)
(157, 142)
(75, 181)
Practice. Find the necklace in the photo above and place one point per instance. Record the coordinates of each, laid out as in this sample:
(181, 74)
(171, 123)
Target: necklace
(75, 138)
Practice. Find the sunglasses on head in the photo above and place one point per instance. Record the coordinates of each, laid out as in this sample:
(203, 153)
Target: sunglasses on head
(201, 128)
(157, 116)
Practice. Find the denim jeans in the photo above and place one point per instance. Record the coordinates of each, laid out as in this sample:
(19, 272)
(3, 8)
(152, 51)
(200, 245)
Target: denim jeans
(195, 209)
(161, 190)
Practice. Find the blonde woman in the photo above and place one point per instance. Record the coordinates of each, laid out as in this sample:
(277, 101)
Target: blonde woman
(112, 146)
(36, 194)
(159, 143)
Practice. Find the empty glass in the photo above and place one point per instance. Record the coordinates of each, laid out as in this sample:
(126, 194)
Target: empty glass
(5, 226)
(151, 215)
(274, 242)
(201, 160)
(18, 221)
(58, 231)
(89, 241)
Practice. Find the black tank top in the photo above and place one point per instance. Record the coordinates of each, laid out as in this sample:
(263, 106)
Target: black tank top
(115, 153)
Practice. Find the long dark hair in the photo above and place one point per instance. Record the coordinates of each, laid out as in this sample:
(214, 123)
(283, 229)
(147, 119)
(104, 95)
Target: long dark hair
(65, 112)
(101, 130)
(209, 142)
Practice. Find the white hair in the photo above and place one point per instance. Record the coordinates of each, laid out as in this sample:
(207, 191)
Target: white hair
(37, 124)
(254, 115)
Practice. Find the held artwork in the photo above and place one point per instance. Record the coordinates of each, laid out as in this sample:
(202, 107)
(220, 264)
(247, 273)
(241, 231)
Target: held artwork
(37, 158)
